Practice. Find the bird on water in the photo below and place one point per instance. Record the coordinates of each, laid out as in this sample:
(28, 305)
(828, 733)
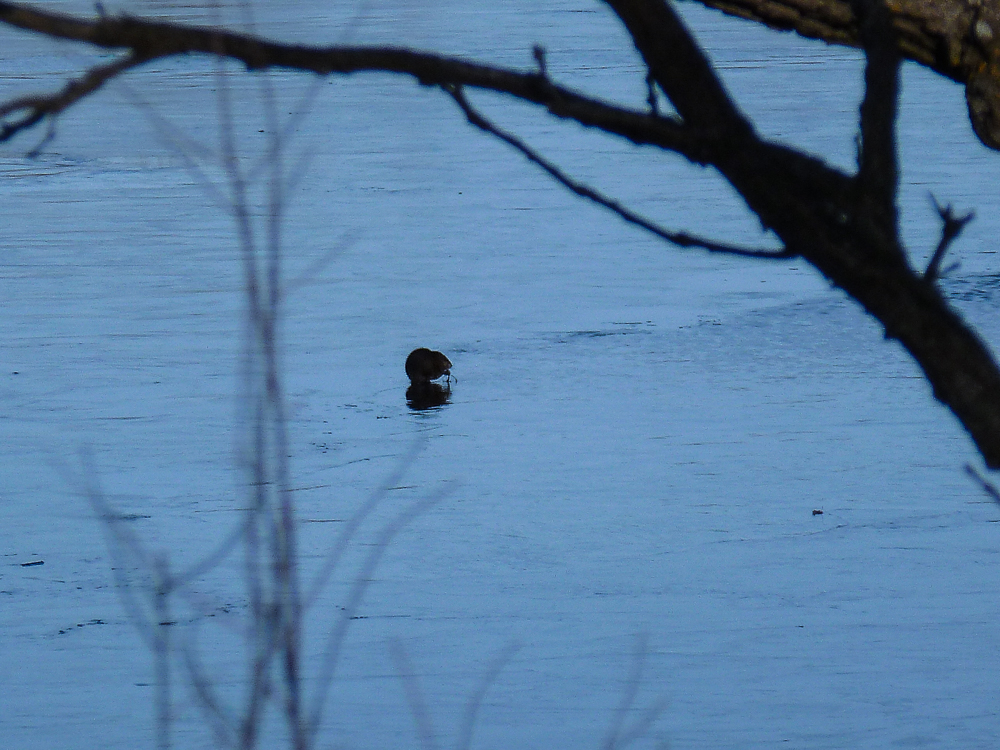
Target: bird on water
(424, 365)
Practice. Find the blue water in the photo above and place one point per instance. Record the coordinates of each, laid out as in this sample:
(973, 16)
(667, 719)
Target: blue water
(636, 441)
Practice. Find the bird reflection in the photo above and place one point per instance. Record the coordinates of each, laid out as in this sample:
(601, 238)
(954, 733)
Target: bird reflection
(427, 395)
(422, 366)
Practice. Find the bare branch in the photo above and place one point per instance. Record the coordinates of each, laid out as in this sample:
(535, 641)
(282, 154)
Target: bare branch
(359, 586)
(817, 211)
(681, 239)
(217, 714)
(955, 38)
(414, 695)
(149, 40)
(33, 109)
(952, 226)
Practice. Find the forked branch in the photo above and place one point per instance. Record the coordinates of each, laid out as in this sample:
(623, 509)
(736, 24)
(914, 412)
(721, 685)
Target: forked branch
(952, 226)
(34, 109)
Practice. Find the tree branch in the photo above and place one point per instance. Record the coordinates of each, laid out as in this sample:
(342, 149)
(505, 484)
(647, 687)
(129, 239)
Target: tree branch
(681, 239)
(680, 67)
(153, 39)
(34, 109)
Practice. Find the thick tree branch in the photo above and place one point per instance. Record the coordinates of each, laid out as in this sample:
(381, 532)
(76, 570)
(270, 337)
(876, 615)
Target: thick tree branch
(940, 34)
(878, 171)
(680, 67)
(682, 239)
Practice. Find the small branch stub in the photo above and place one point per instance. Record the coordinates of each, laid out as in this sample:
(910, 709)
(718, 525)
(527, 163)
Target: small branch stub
(952, 226)
(538, 52)
(651, 97)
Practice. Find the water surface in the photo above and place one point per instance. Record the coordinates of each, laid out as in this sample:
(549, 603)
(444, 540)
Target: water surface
(637, 439)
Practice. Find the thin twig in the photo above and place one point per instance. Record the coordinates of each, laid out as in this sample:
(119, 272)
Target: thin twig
(651, 98)
(640, 728)
(286, 563)
(349, 529)
(619, 735)
(260, 526)
(464, 739)
(310, 273)
(219, 717)
(300, 110)
(360, 584)
(196, 570)
(681, 239)
(121, 542)
(611, 740)
(130, 553)
(985, 485)
(952, 226)
(189, 150)
(538, 52)
(414, 695)
(35, 108)
(161, 653)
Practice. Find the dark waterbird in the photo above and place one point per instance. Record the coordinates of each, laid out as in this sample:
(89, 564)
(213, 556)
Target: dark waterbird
(422, 366)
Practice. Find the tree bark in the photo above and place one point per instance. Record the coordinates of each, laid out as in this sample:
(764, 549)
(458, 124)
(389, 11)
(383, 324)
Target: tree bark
(959, 39)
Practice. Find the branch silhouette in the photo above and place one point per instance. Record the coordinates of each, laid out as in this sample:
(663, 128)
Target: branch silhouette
(843, 224)
(33, 109)
(681, 239)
